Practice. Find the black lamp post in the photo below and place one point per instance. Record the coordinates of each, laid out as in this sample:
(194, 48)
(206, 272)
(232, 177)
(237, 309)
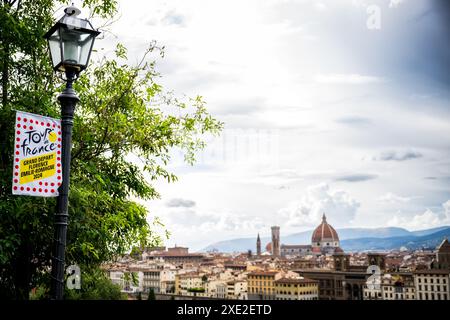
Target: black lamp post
(70, 42)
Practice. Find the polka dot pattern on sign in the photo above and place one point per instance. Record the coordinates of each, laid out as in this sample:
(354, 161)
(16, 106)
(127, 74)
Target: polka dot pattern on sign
(47, 186)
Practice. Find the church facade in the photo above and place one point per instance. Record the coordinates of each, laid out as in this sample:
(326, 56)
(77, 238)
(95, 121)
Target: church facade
(324, 240)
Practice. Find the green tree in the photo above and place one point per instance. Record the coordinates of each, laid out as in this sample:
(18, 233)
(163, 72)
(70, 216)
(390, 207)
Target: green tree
(151, 294)
(125, 129)
(95, 285)
(130, 279)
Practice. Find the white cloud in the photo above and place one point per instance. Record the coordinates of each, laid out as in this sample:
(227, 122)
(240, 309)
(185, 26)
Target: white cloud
(200, 220)
(339, 207)
(197, 227)
(446, 206)
(261, 71)
(320, 6)
(179, 202)
(395, 3)
(346, 79)
(425, 220)
(398, 155)
(393, 198)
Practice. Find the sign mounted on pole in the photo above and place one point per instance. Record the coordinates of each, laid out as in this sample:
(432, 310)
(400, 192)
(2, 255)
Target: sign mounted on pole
(37, 155)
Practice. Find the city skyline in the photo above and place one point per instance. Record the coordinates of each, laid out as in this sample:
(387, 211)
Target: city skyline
(350, 120)
(236, 151)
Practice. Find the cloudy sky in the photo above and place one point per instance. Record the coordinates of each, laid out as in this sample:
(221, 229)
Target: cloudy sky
(336, 106)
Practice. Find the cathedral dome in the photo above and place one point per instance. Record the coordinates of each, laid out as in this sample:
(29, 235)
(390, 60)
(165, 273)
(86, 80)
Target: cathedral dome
(324, 232)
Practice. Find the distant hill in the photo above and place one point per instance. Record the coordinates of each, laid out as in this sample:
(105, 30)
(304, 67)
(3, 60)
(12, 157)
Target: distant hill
(352, 239)
(428, 231)
(428, 240)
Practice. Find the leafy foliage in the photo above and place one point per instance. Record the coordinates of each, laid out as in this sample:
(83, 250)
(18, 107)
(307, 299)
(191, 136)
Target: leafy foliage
(124, 130)
(151, 294)
(96, 285)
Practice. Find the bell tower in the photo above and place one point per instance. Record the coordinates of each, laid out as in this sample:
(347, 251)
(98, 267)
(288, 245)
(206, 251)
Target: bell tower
(258, 246)
(276, 241)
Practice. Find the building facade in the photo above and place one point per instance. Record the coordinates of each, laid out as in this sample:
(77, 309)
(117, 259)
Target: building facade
(260, 284)
(296, 289)
(176, 256)
(221, 290)
(393, 286)
(186, 283)
(295, 250)
(442, 260)
(432, 284)
(237, 290)
(345, 281)
(151, 277)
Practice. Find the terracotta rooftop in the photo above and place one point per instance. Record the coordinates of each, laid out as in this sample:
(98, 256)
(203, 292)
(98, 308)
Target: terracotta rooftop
(324, 232)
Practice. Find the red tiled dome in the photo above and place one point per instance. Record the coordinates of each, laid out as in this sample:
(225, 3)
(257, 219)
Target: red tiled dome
(269, 247)
(324, 232)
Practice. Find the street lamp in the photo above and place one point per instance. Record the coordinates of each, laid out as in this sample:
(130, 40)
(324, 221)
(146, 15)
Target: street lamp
(70, 43)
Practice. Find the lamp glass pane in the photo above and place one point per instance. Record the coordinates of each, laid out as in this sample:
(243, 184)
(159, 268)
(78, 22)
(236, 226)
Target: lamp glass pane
(71, 46)
(85, 48)
(54, 45)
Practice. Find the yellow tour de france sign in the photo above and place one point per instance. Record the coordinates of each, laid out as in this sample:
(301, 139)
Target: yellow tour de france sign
(37, 155)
